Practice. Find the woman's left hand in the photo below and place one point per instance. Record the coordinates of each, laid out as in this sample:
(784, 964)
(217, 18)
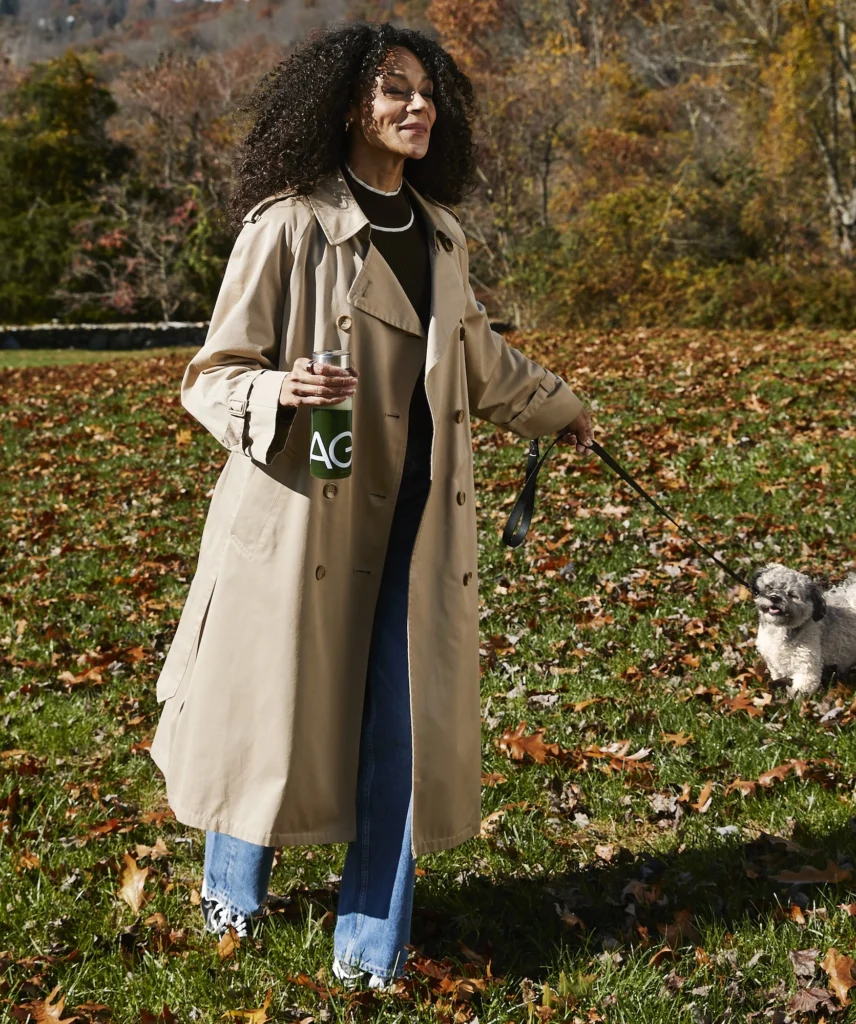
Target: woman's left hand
(578, 432)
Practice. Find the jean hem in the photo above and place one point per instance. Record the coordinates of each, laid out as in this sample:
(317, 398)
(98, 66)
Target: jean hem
(381, 972)
(233, 908)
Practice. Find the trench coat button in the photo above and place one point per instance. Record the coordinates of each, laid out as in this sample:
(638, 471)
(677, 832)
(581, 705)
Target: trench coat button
(461, 497)
(467, 577)
(343, 322)
(463, 332)
(330, 490)
(459, 416)
(320, 572)
(446, 242)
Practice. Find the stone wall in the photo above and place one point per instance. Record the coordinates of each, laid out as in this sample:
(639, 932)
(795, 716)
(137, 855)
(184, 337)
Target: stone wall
(103, 336)
(119, 336)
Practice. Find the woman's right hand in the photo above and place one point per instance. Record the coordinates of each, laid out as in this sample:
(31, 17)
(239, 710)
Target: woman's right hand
(324, 385)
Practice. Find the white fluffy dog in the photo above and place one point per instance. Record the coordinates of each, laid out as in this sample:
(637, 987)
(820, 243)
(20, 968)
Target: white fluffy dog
(803, 629)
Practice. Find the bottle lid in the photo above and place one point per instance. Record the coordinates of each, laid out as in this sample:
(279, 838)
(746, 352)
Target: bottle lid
(335, 356)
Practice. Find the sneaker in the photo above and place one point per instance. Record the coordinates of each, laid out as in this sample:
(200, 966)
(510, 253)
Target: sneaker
(218, 917)
(352, 976)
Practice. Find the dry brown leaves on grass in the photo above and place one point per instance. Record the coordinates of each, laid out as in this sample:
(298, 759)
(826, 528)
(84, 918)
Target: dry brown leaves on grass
(820, 770)
(518, 746)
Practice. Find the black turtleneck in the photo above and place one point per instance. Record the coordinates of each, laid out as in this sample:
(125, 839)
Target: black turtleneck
(407, 254)
(405, 251)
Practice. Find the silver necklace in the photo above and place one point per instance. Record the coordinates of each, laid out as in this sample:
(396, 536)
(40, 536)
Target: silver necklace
(380, 192)
(371, 188)
(380, 227)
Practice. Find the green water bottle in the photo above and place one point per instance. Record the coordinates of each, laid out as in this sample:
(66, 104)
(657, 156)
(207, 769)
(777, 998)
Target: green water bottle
(330, 449)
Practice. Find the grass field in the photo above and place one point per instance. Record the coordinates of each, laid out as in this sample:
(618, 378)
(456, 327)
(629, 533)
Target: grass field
(666, 837)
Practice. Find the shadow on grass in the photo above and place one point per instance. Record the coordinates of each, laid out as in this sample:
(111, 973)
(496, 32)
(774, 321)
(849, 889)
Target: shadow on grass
(521, 923)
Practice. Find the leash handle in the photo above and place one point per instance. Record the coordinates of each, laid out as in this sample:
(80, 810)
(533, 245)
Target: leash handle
(521, 515)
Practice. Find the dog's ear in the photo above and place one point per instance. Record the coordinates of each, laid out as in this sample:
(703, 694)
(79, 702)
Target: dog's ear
(818, 604)
(753, 580)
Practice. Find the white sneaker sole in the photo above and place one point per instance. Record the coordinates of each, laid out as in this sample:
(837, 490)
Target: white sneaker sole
(352, 976)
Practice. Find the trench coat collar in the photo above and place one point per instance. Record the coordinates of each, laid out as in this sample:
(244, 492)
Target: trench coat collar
(376, 290)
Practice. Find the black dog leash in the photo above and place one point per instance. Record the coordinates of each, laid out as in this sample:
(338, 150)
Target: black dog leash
(521, 515)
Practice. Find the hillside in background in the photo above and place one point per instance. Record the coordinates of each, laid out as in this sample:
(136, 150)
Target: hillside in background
(139, 29)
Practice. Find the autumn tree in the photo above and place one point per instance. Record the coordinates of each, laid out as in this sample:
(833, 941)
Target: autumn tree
(55, 152)
(156, 244)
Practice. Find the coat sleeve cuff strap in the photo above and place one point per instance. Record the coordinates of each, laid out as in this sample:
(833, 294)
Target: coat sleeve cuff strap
(256, 419)
(552, 407)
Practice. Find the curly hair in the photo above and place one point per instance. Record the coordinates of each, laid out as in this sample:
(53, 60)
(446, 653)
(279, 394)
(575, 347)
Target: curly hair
(297, 112)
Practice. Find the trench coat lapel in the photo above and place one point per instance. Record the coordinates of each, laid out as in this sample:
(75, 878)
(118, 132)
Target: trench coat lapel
(448, 288)
(376, 290)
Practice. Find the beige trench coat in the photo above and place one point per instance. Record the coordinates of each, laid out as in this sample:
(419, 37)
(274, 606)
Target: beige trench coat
(262, 686)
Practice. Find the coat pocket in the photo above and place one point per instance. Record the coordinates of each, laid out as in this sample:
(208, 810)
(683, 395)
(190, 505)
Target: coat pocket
(255, 512)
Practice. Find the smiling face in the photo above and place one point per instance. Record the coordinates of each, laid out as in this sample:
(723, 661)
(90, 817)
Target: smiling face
(786, 598)
(399, 113)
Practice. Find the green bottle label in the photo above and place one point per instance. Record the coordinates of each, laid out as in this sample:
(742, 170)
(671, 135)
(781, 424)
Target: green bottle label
(330, 450)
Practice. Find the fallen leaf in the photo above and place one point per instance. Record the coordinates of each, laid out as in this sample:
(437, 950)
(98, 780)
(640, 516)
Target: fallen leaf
(839, 967)
(26, 861)
(666, 953)
(166, 1016)
(307, 982)
(493, 779)
(741, 702)
(831, 873)
(681, 931)
(778, 774)
(258, 1016)
(795, 913)
(745, 787)
(132, 879)
(804, 962)
(491, 821)
(229, 942)
(46, 1011)
(702, 805)
(517, 746)
(570, 919)
(154, 852)
(812, 1000)
(677, 739)
(581, 705)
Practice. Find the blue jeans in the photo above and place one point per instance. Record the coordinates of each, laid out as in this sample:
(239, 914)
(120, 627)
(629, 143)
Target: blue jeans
(376, 892)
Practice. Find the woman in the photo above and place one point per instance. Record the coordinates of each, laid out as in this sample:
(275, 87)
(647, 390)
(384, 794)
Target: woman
(323, 682)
